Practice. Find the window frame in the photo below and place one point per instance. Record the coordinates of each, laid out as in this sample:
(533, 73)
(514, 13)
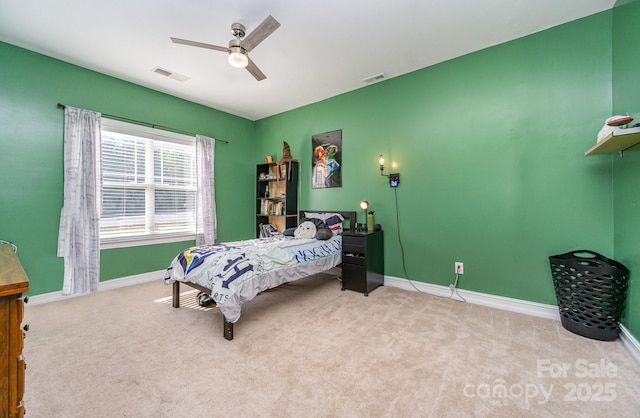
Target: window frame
(112, 125)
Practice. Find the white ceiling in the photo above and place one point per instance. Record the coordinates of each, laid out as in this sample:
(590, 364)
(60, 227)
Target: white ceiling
(322, 48)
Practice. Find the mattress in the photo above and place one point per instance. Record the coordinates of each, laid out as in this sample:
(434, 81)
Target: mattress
(236, 272)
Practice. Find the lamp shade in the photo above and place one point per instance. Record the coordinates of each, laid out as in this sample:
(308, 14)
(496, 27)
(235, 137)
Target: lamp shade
(238, 58)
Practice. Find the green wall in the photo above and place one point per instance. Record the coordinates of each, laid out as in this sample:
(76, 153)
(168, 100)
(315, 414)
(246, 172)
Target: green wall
(31, 164)
(626, 98)
(489, 148)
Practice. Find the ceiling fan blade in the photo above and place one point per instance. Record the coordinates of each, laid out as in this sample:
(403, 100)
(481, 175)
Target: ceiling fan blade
(255, 71)
(199, 44)
(260, 33)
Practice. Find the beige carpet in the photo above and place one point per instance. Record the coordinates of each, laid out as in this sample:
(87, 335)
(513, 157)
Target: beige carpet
(309, 350)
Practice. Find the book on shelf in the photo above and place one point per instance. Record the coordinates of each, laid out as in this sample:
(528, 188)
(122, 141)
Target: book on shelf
(268, 230)
(269, 207)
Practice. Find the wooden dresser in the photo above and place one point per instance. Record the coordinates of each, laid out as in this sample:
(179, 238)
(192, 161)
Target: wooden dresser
(13, 282)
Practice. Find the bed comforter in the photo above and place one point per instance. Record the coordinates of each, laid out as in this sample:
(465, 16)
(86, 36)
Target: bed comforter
(236, 272)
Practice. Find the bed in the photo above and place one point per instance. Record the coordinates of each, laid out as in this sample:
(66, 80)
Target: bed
(233, 273)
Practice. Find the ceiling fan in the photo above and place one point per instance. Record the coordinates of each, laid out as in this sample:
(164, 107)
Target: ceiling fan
(239, 48)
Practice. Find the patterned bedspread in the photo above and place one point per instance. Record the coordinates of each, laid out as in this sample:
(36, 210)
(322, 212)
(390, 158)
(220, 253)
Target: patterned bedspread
(238, 271)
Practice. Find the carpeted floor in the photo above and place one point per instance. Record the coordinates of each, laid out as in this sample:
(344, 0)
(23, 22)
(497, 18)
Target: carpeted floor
(309, 350)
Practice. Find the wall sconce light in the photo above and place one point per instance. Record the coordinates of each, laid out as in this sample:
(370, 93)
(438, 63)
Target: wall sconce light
(394, 178)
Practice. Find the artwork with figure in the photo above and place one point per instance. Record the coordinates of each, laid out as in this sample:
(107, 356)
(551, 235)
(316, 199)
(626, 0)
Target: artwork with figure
(326, 160)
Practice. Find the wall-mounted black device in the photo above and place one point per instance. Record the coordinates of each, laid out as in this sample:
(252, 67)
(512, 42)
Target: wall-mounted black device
(394, 179)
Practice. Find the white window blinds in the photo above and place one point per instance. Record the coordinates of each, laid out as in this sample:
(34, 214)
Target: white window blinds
(148, 183)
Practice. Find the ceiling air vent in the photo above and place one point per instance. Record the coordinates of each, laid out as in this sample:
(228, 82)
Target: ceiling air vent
(375, 78)
(170, 74)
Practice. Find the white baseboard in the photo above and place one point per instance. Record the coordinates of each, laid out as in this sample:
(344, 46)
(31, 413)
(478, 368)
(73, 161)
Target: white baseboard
(106, 285)
(508, 304)
(631, 344)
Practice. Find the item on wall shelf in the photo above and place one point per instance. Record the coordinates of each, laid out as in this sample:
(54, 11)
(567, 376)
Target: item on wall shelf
(619, 120)
(268, 158)
(15, 249)
(326, 160)
(614, 125)
(286, 158)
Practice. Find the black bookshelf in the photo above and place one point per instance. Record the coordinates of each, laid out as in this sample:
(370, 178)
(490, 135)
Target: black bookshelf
(279, 206)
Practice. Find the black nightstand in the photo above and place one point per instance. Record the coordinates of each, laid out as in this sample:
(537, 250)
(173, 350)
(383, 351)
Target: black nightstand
(362, 261)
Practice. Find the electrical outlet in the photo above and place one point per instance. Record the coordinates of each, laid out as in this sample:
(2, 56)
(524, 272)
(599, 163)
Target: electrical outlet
(458, 267)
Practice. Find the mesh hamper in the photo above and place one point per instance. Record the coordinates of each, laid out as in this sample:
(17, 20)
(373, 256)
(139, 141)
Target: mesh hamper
(591, 290)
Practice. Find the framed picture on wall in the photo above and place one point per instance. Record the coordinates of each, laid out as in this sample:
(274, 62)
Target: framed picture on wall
(326, 160)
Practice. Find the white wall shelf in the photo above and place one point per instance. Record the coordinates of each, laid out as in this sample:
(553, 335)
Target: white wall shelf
(615, 142)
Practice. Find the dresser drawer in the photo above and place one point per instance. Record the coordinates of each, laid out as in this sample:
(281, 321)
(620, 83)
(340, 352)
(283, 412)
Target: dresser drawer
(354, 278)
(353, 244)
(353, 258)
(353, 240)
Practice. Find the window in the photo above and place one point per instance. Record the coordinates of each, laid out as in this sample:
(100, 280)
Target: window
(148, 185)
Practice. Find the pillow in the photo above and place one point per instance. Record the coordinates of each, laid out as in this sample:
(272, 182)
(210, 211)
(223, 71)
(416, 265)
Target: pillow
(333, 220)
(323, 234)
(306, 229)
(312, 228)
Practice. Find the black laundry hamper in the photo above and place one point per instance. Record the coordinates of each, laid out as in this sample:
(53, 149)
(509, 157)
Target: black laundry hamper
(591, 290)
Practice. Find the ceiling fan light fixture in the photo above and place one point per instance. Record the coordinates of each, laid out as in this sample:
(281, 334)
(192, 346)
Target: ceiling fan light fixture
(238, 58)
(237, 53)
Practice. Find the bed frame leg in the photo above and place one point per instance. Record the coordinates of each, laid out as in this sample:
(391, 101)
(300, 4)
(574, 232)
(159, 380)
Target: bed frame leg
(176, 295)
(228, 329)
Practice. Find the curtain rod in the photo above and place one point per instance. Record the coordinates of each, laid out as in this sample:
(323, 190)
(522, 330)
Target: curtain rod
(148, 124)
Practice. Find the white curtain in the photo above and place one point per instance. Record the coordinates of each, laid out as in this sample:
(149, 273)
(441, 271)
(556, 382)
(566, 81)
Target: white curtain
(79, 234)
(206, 224)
